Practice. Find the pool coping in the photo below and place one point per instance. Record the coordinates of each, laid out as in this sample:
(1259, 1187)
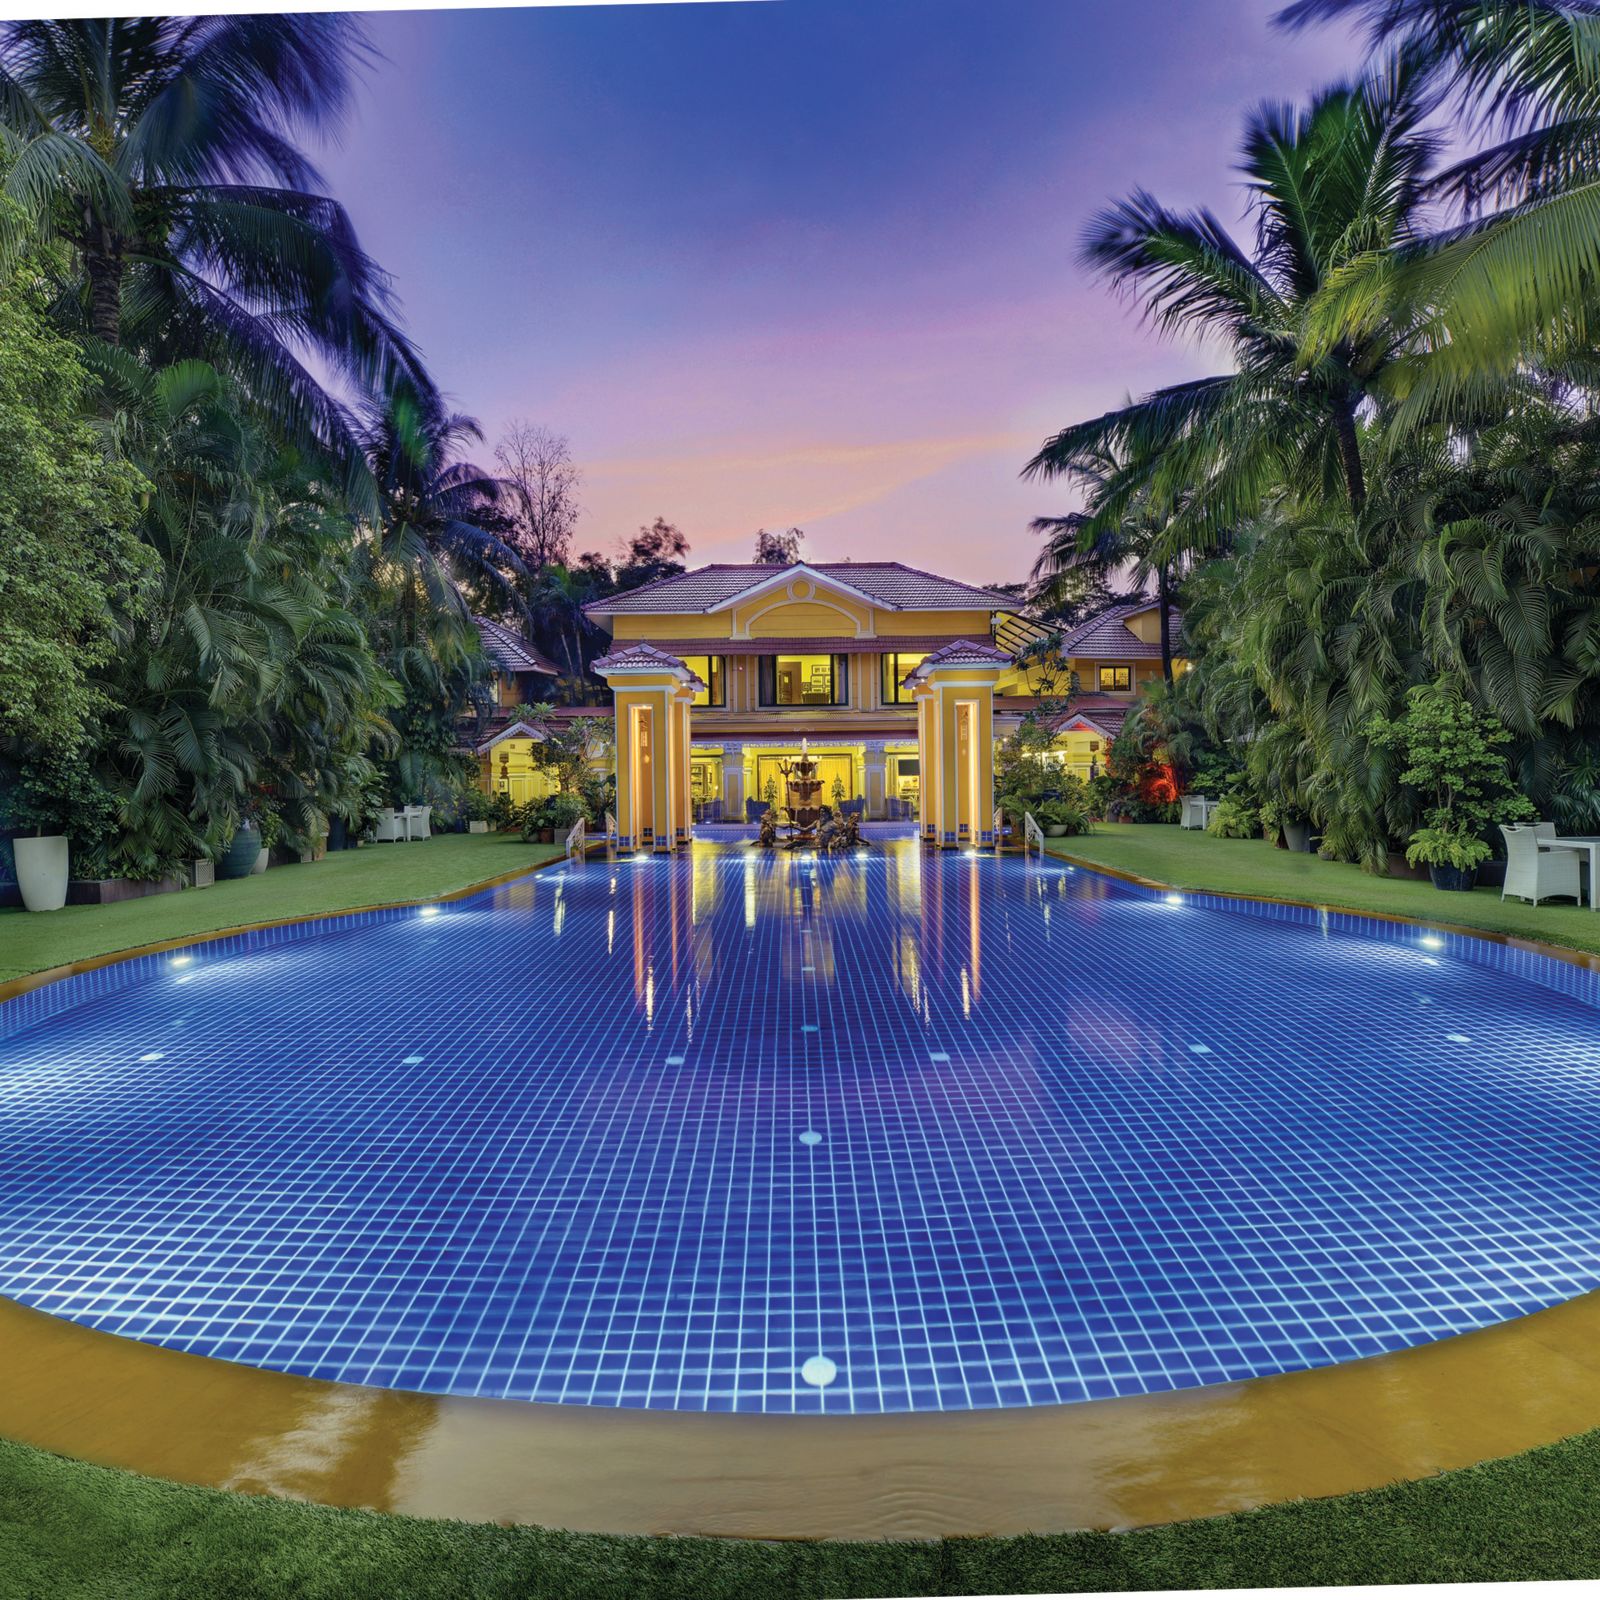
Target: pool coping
(15, 988)
(1112, 1463)
(1587, 959)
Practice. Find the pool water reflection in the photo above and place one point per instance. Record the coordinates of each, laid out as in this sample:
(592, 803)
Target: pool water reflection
(781, 1133)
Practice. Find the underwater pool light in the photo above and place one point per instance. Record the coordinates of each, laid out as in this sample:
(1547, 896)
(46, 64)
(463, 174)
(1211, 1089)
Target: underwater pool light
(819, 1371)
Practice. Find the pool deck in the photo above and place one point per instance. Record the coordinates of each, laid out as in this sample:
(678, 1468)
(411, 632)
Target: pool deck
(1097, 1464)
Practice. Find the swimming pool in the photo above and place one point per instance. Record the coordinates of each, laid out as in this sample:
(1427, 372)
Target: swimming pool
(787, 1134)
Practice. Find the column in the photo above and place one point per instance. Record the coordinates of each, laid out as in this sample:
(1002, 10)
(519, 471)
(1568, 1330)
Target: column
(875, 779)
(733, 789)
(651, 693)
(682, 779)
(954, 690)
(951, 820)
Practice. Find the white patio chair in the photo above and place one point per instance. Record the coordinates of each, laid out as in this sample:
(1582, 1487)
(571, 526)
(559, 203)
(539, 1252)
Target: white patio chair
(391, 827)
(1194, 811)
(417, 819)
(1535, 874)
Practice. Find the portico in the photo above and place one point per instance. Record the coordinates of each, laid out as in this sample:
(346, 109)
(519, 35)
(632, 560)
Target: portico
(652, 692)
(954, 692)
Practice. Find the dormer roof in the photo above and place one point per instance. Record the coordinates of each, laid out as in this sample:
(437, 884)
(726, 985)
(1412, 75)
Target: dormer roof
(510, 652)
(1108, 637)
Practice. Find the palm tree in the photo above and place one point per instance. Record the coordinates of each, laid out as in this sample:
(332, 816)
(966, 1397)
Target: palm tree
(1341, 178)
(1514, 276)
(428, 549)
(559, 596)
(243, 662)
(433, 528)
(161, 150)
(1127, 530)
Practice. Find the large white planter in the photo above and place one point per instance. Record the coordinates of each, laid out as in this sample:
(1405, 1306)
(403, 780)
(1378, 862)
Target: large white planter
(261, 861)
(42, 871)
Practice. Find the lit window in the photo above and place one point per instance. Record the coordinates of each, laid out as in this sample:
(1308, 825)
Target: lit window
(710, 671)
(1113, 678)
(804, 680)
(895, 668)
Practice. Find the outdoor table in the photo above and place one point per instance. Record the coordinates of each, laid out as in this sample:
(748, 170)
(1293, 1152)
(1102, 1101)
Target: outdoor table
(1589, 843)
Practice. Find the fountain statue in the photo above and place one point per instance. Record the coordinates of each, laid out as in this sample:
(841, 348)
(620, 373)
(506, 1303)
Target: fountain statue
(807, 821)
(802, 786)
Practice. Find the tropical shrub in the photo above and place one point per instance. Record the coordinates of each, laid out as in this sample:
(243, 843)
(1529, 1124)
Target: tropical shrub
(599, 793)
(70, 563)
(555, 813)
(59, 793)
(1024, 771)
(1143, 778)
(1446, 847)
(1454, 759)
(1068, 815)
(1234, 818)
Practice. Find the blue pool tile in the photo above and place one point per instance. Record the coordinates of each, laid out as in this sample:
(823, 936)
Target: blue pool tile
(1073, 1140)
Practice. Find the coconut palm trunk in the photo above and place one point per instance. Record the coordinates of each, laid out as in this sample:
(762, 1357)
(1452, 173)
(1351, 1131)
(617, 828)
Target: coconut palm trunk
(1164, 601)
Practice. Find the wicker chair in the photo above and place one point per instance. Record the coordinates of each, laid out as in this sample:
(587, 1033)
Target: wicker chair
(1535, 874)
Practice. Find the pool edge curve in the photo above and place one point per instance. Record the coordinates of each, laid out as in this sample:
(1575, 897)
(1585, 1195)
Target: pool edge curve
(1112, 1463)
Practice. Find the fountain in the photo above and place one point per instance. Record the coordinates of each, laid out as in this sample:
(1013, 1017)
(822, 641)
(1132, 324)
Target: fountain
(802, 786)
(806, 823)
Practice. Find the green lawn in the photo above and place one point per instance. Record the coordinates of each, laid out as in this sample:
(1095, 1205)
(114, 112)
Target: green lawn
(375, 875)
(1190, 859)
(69, 1531)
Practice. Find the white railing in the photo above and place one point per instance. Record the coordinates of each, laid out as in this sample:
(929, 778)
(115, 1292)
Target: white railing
(611, 831)
(1032, 834)
(577, 839)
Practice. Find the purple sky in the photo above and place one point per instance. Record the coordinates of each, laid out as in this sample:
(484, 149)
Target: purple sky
(800, 262)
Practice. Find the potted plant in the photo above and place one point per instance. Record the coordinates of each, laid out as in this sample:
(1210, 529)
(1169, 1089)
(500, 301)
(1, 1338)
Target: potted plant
(1285, 825)
(43, 868)
(536, 822)
(1234, 818)
(1451, 855)
(561, 811)
(238, 858)
(1296, 830)
(271, 824)
(1454, 762)
(55, 811)
(479, 810)
(1059, 818)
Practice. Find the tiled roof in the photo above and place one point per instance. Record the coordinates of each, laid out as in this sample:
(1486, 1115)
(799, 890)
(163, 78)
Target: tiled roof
(472, 731)
(884, 644)
(961, 653)
(1106, 711)
(1107, 637)
(889, 584)
(509, 730)
(638, 657)
(511, 652)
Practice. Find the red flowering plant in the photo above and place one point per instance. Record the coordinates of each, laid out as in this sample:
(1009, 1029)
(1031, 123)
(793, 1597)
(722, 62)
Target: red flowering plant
(1146, 766)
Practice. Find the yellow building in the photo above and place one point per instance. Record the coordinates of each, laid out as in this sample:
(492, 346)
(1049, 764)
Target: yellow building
(1098, 667)
(505, 745)
(822, 652)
